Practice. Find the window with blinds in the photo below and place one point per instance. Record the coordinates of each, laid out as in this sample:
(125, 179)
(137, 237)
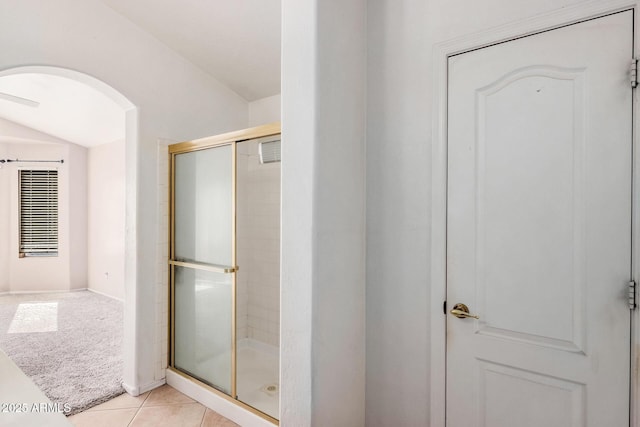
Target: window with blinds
(38, 212)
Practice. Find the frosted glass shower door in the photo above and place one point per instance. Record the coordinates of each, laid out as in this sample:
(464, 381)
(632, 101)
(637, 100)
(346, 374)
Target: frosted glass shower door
(202, 265)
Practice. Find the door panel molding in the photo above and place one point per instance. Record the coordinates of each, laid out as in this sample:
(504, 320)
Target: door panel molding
(438, 258)
(570, 334)
(498, 385)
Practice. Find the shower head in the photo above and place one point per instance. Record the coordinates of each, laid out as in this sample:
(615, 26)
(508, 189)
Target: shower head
(269, 151)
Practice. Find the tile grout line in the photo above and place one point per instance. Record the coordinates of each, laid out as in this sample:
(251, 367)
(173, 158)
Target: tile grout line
(139, 407)
(164, 405)
(203, 415)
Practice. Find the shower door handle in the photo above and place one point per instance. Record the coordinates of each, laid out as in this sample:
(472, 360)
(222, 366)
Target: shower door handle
(208, 267)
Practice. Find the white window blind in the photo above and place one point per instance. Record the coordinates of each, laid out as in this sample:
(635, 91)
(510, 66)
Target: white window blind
(38, 212)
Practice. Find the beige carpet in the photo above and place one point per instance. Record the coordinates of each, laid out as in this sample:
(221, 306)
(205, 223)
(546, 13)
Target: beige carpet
(69, 344)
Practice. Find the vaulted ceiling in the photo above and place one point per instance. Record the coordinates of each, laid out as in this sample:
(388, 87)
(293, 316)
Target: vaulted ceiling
(61, 107)
(236, 41)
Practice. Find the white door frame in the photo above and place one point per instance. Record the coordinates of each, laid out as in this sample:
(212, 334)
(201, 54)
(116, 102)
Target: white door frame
(566, 16)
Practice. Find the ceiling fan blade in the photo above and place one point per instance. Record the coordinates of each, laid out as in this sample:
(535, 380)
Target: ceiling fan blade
(19, 100)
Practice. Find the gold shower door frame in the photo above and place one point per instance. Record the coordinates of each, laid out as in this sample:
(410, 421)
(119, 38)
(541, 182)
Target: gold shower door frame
(231, 138)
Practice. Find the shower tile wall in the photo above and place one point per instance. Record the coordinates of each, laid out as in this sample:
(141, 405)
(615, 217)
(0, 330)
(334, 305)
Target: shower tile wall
(258, 246)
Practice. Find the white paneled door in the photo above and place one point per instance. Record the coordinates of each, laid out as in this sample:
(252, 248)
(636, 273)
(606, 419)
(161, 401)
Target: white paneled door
(539, 229)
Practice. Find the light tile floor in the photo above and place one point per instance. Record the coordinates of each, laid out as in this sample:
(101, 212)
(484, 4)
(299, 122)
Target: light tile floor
(162, 407)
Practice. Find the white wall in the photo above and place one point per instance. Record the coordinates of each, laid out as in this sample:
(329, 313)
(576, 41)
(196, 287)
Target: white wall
(76, 160)
(401, 38)
(17, 141)
(323, 213)
(99, 249)
(398, 177)
(265, 110)
(67, 270)
(174, 99)
(298, 134)
(106, 214)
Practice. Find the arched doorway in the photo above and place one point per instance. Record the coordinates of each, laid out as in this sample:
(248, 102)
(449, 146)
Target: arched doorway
(131, 143)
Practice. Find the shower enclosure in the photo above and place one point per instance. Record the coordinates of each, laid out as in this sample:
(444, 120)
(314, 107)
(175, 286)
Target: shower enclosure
(224, 265)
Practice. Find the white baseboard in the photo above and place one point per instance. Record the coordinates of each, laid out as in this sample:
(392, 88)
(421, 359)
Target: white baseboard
(212, 401)
(53, 291)
(137, 391)
(62, 291)
(104, 295)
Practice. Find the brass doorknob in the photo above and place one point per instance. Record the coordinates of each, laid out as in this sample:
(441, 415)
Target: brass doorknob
(461, 311)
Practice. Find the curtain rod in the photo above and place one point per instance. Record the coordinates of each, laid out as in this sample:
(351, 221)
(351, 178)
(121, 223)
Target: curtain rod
(30, 161)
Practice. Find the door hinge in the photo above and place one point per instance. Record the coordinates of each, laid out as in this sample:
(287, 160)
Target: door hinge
(632, 295)
(633, 73)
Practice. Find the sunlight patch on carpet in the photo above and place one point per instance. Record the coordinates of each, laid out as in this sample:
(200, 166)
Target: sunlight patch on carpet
(78, 361)
(35, 317)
